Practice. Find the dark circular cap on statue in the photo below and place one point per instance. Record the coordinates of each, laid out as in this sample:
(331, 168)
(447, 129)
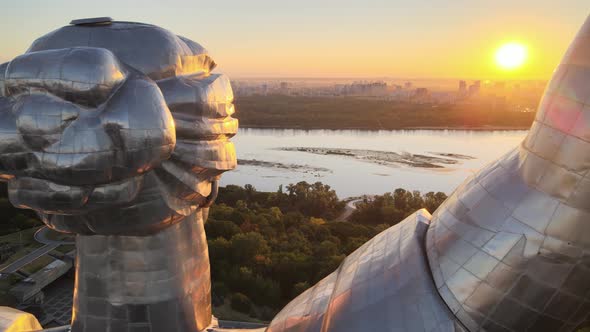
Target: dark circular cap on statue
(92, 21)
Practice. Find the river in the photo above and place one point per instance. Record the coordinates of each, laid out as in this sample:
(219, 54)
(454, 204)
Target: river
(346, 159)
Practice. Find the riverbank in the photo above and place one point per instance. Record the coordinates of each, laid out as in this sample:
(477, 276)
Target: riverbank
(447, 128)
(350, 113)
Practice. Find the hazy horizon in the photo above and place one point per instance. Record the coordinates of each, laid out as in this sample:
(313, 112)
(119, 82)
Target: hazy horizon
(377, 78)
(335, 39)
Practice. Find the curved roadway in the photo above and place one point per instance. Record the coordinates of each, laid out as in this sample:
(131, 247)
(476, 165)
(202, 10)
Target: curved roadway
(41, 237)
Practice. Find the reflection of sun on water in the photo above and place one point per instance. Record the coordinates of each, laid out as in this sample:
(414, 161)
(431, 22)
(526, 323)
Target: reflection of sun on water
(511, 56)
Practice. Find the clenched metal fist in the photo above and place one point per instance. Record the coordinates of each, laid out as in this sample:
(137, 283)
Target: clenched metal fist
(102, 124)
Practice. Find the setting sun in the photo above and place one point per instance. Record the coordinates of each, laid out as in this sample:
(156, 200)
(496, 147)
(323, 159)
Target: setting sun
(511, 56)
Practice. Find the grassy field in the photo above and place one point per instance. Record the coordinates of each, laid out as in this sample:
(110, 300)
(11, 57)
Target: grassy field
(64, 249)
(37, 264)
(24, 238)
(58, 236)
(278, 111)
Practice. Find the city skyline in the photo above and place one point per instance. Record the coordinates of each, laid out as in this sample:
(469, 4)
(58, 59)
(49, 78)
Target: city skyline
(336, 38)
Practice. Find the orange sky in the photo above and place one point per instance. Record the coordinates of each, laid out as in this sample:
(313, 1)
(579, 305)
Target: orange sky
(329, 38)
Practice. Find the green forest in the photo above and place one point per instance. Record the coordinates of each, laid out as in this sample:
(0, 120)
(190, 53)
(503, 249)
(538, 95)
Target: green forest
(268, 247)
(278, 111)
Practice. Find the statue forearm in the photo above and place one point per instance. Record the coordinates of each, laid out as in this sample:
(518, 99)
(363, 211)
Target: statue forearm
(160, 280)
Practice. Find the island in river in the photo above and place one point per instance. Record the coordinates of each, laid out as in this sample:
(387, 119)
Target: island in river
(388, 158)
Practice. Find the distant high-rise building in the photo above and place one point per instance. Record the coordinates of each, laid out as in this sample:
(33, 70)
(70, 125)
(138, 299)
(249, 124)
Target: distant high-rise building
(408, 85)
(462, 87)
(362, 88)
(500, 85)
(284, 88)
(475, 88)
(421, 95)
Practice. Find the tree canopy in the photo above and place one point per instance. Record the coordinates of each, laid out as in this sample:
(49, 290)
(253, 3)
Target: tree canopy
(267, 247)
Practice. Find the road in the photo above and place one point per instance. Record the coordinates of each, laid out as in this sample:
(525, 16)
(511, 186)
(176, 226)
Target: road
(348, 209)
(41, 237)
(28, 258)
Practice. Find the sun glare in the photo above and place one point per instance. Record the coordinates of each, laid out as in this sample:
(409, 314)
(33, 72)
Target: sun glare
(511, 56)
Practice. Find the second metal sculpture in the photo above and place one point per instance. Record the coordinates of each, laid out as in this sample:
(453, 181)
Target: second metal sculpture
(509, 250)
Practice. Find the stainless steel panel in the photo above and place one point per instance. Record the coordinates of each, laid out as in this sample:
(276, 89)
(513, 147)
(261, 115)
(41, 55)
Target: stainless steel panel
(385, 285)
(89, 122)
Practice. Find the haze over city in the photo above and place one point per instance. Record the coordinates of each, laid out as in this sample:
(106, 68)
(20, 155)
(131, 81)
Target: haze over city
(389, 38)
